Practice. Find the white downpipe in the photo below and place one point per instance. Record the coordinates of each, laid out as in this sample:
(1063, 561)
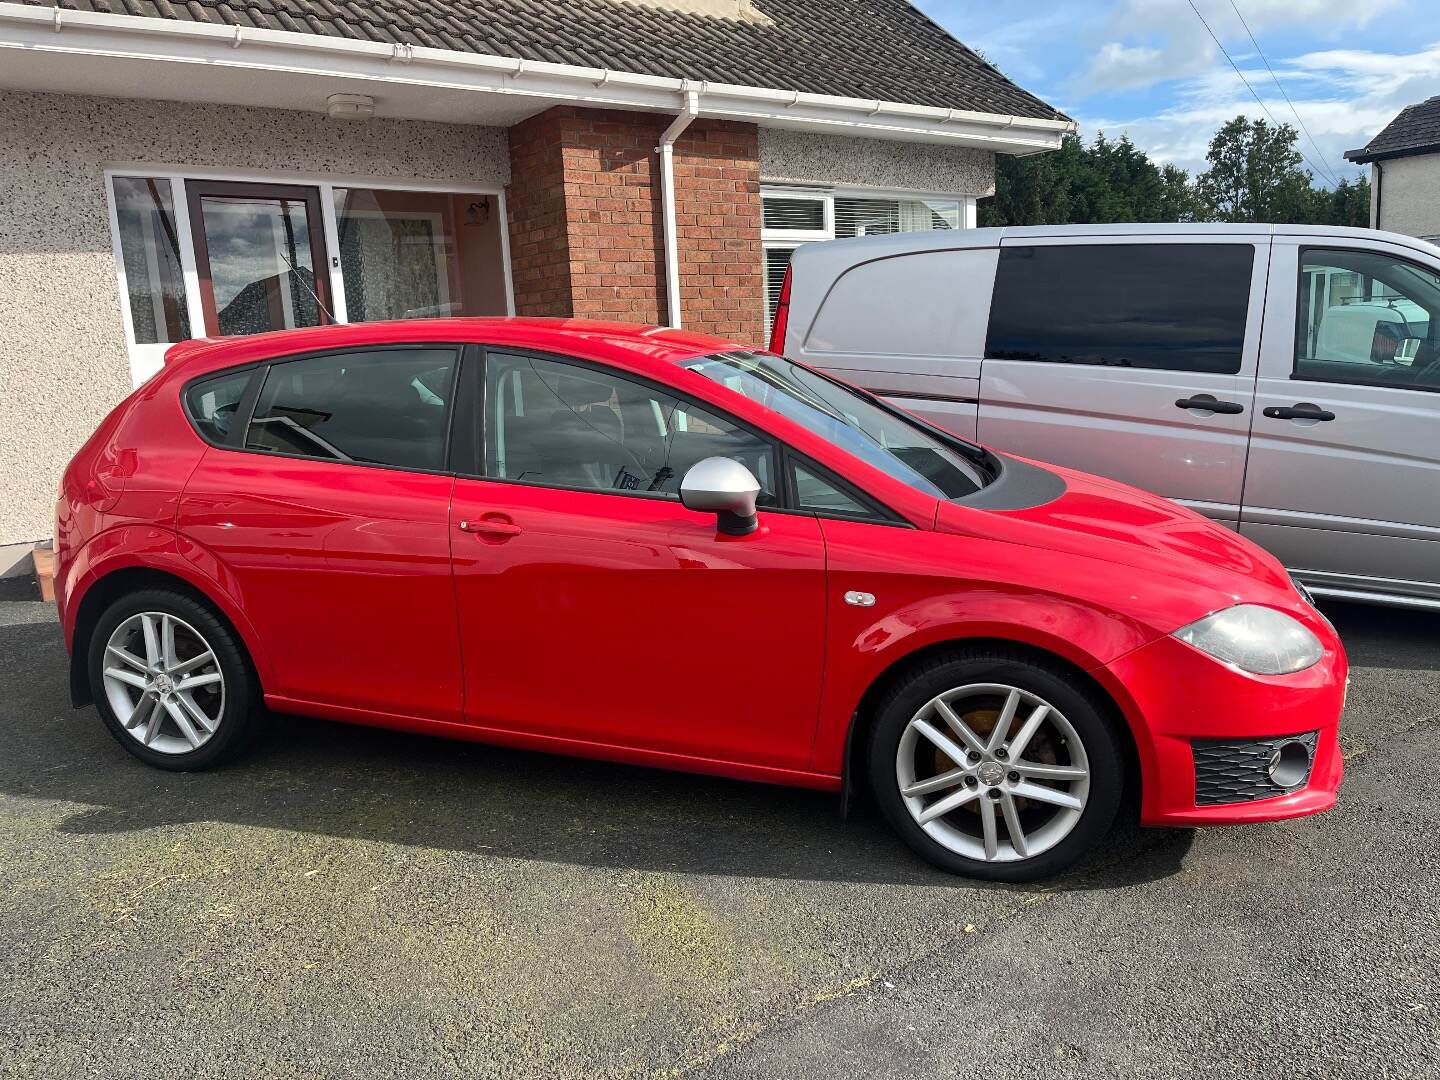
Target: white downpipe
(666, 150)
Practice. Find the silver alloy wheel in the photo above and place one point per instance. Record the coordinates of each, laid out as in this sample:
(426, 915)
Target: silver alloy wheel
(974, 791)
(163, 682)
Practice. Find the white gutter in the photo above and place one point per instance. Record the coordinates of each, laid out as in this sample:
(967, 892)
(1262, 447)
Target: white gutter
(666, 150)
(201, 46)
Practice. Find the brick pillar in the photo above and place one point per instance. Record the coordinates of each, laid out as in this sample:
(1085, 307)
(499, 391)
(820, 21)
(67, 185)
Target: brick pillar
(586, 234)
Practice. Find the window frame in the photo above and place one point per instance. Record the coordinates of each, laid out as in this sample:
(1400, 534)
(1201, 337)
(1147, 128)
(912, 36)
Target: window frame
(1302, 315)
(236, 440)
(791, 239)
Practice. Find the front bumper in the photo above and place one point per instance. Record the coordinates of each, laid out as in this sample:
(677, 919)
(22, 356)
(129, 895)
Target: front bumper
(1176, 698)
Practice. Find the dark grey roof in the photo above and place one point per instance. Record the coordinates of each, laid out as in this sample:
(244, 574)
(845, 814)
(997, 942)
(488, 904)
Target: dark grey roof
(872, 49)
(1415, 131)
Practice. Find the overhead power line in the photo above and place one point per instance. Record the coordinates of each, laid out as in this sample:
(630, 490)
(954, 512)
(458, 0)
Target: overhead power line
(1258, 100)
(1279, 86)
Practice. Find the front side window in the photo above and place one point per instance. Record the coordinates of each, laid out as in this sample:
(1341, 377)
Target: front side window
(384, 407)
(1172, 307)
(850, 421)
(563, 425)
(1367, 318)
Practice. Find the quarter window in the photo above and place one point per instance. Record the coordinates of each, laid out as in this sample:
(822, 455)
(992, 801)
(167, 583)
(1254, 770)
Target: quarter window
(212, 404)
(385, 407)
(1366, 318)
(568, 426)
(820, 496)
(1173, 307)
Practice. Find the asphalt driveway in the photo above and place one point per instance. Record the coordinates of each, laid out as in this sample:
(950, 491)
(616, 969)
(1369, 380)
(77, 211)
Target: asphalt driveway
(356, 903)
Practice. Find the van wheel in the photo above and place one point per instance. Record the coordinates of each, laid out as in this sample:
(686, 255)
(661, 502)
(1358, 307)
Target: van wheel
(172, 681)
(995, 765)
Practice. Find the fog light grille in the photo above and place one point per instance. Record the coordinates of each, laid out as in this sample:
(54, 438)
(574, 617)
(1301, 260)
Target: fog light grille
(1244, 770)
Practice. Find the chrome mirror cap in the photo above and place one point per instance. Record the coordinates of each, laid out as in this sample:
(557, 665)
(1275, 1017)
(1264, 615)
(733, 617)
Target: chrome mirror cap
(722, 486)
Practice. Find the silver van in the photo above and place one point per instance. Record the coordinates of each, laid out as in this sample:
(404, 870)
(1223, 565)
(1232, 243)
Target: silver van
(1281, 379)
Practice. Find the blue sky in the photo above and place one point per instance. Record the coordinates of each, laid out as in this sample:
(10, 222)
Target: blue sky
(1148, 68)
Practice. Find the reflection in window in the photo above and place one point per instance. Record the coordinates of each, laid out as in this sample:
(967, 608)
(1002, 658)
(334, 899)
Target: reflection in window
(150, 252)
(418, 254)
(261, 266)
(574, 427)
(820, 496)
(212, 404)
(384, 408)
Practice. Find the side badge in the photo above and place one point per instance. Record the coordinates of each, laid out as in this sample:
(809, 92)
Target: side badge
(860, 599)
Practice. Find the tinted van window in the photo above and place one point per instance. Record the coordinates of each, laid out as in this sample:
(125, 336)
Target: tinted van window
(1176, 307)
(386, 407)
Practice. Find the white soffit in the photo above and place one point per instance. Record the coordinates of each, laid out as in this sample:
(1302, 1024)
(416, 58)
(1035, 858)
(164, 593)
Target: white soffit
(127, 56)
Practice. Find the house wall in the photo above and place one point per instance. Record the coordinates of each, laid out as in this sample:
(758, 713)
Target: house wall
(62, 354)
(1409, 195)
(839, 160)
(586, 227)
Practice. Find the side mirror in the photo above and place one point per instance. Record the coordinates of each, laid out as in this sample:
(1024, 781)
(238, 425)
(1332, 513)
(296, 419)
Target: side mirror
(724, 487)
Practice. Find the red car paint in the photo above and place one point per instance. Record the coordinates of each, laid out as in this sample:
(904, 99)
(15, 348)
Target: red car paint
(630, 628)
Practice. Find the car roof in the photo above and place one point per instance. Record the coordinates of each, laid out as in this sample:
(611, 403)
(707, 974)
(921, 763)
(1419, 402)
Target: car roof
(839, 253)
(630, 345)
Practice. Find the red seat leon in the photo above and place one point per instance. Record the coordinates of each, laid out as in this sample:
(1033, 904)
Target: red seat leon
(661, 548)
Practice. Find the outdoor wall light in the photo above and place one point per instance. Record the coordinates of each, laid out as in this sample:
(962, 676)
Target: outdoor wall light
(349, 107)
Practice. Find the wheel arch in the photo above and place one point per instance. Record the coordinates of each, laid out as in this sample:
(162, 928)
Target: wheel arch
(109, 586)
(857, 736)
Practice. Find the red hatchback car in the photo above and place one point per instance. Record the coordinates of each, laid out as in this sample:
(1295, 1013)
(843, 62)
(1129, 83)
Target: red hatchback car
(661, 548)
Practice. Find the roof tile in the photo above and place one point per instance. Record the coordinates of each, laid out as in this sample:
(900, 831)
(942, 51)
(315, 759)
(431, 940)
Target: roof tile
(1415, 131)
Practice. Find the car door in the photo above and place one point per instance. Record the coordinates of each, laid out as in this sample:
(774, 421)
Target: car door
(1132, 357)
(327, 517)
(1344, 456)
(595, 608)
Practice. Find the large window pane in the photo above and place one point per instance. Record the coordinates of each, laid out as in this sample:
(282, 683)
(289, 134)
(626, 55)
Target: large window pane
(385, 408)
(416, 254)
(261, 267)
(150, 252)
(575, 427)
(1175, 307)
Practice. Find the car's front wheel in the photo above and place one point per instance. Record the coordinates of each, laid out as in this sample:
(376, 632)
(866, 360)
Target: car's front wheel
(996, 765)
(171, 680)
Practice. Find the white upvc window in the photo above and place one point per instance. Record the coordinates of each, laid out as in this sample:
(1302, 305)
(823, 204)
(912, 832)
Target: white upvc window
(792, 216)
(203, 253)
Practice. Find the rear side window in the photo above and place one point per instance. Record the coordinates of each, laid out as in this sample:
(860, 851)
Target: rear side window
(213, 404)
(1173, 307)
(386, 407)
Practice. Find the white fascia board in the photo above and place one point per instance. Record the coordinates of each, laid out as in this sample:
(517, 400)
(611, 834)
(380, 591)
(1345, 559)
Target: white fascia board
(166, 41)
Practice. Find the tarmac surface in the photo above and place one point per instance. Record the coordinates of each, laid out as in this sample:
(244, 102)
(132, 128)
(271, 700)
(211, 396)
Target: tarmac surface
(347, 902)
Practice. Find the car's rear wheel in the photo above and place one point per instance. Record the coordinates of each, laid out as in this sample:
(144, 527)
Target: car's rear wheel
(996, 764)
(172, 681)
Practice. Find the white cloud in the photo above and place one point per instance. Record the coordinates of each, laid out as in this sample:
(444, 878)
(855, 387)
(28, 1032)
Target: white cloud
(1344, 97)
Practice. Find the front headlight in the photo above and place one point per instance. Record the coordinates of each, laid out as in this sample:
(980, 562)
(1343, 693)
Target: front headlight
(1256, 639)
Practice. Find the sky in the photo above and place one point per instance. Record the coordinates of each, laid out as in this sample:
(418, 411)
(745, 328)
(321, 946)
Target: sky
(1149, 69)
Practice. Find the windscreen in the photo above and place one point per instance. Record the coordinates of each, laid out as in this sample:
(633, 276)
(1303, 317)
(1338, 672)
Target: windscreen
(849, 420)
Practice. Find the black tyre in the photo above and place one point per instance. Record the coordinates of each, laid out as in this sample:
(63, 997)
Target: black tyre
(996, 764)
(172, 681)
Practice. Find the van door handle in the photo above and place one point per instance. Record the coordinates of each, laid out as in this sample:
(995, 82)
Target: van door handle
(1301, 411)
(493, 526)
(1208, 401)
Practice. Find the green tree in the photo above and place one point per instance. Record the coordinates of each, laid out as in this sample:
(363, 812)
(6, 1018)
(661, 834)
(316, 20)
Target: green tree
(1255, 174)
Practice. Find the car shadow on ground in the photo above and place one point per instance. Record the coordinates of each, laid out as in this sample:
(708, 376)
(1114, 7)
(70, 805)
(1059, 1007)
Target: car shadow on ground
(363, 783)
(1387, 637)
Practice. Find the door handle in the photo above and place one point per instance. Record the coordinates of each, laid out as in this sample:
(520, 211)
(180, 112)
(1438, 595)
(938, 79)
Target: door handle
(496, 526)
(1208, 401)
(1301, 411)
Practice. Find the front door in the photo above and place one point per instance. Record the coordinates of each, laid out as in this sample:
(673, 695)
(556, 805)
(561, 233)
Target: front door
(260, 256)
(594, 607)
(1345, 458)
(1133, 360)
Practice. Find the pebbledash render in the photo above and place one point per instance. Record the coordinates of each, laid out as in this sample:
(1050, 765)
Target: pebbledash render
(210, 169)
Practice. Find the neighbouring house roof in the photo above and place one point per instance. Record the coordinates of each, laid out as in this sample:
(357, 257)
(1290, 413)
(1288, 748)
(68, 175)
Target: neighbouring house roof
(1415, 131)
(872, 49)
